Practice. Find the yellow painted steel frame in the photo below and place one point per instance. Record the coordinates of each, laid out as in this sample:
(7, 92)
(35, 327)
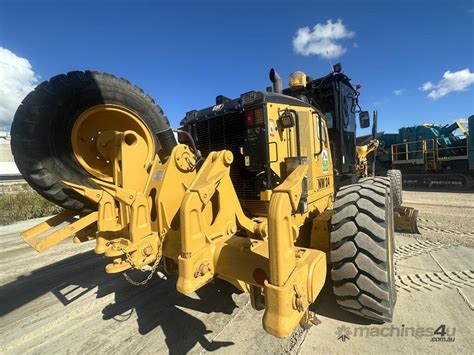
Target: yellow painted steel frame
(296, 275)
(362, 168)
(195, 219)
(31, 235)
(198, 239)
(293, 276)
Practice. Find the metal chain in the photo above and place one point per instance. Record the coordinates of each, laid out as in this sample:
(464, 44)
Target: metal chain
(132, 264)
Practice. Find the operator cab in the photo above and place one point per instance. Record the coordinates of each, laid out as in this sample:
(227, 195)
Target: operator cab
(337, 99)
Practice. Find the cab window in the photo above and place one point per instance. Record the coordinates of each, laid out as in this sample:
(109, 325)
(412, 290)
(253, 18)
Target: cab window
(316, 132)
(325, 138)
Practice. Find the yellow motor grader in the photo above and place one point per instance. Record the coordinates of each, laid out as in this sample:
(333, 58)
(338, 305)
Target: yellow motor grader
(262, 191)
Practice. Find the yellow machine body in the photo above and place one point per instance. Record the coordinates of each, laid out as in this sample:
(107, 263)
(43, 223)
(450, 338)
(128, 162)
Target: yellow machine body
(154, 212)
(248, 195)
(362, 168)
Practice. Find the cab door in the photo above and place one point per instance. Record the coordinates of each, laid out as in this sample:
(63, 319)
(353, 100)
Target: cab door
(322, 168)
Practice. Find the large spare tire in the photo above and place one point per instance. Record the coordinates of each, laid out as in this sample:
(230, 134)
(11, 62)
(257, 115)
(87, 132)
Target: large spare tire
(43, 125)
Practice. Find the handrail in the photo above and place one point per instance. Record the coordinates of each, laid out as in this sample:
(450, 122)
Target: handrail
(421, 140)
(431, 145)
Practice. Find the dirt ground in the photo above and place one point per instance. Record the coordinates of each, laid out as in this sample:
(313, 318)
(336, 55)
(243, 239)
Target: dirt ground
(444, 217)
(62, 301)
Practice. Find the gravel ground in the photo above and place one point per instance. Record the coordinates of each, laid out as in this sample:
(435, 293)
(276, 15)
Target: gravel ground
(443, 216)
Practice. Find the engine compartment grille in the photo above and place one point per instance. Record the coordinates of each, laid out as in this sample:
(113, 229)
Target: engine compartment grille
(227, 132)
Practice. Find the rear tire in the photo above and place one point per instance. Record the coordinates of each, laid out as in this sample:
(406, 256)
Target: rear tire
(383, 182)
(380, 181)
(396, 181)
(41, 129)
(361, 254)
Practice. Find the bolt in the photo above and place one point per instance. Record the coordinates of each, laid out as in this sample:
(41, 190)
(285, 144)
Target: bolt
(202, 270)
(148, 250)
(228, 158)
(130, 197)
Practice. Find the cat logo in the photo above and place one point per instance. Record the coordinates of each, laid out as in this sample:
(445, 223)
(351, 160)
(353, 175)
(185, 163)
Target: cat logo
(217, 107)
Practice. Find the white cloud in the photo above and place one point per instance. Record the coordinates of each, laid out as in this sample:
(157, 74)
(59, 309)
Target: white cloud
(17, 79)
(398, 92)
(323, 40)
(451, 82)
(427, 86)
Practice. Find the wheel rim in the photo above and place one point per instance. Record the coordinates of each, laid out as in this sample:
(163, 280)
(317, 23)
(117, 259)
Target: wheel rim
(93, 135)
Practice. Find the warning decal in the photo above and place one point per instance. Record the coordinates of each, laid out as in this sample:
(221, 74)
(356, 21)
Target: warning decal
(271, 127)
(325, 161)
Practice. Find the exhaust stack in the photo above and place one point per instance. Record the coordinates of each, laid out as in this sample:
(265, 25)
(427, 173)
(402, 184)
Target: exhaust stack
(276, 80)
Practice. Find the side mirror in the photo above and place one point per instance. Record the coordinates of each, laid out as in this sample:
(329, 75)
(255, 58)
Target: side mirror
(364, 119)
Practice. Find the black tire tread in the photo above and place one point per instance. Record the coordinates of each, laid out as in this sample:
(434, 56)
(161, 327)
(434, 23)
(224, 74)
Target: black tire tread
(397, 186)
(359, 256)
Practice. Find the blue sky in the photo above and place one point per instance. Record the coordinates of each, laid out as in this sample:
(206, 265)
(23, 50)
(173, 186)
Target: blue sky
(184, 53)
